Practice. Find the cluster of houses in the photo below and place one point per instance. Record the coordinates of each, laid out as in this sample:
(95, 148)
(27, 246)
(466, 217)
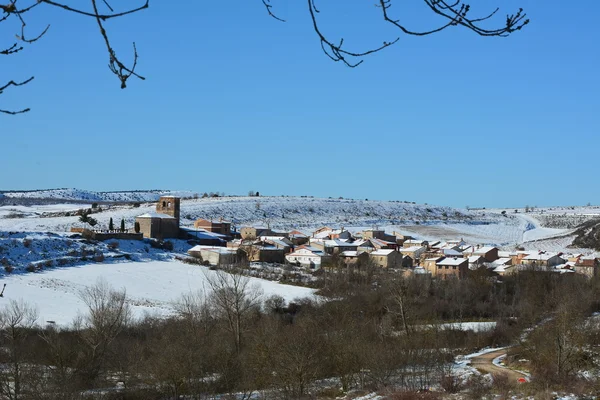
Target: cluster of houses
(219, 244)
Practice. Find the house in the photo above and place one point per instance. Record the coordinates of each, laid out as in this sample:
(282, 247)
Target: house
(279, 242)
(336, 246)
(436, 244)
(375, 244)
(401, 238)
(162, 223)
(430, 264)
(378, 234)
(489, 254)
(502, 266)
(386, 258)
(504, 270)
(218, 256)
(452, 267)
(298, 238)
(450, 252)
(587, 265)
(322, 232)
(413, 252)
(543, 259)
(351, 257)
(220, 226)
(200, 236)
(253, 232)
(263, 252)
(415, 242)
(308, 257)
(475, 262)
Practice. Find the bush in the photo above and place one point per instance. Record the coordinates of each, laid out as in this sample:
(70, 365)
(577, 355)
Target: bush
(99, 257)
(113, 245)
(161, 244)
(451, 383)
(27, 242)
(9, 269)
(48, 263)
(502, 384)
(30, 268)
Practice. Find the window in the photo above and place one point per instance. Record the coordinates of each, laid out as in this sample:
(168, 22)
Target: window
(164, 203)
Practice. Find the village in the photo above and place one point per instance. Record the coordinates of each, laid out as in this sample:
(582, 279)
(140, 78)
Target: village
(219, 243)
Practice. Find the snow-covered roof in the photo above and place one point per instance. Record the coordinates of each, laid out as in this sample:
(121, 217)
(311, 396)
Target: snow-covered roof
(504, 254)
(502, 261)
(215, 249)
(382, 252)
(451, 253)
(154, 214)
(411, 249)
(452, 261)
(415, 241)
(502, 268)
(297, 234)
(278, 242)
(349, 253)
(483, 250)
(200, 231)
(540, 256)
(474, 259)
(338, 243)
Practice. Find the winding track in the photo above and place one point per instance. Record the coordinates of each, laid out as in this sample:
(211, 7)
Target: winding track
(484, 363)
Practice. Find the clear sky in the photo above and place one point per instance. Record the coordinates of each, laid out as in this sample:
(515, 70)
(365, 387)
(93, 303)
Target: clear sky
(236, 101)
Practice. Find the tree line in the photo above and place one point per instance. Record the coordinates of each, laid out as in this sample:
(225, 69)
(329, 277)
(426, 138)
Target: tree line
(368, 330)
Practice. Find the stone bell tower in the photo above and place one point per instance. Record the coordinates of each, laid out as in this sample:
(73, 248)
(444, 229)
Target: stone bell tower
(169, 205)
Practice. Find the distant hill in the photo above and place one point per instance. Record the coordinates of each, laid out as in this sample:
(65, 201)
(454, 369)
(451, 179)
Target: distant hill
(92, 196)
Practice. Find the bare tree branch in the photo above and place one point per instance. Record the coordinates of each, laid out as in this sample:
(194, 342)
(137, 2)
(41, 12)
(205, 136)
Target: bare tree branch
(454, 12)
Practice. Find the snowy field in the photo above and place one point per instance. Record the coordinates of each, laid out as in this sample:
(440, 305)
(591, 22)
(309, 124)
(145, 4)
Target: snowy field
(152, 287)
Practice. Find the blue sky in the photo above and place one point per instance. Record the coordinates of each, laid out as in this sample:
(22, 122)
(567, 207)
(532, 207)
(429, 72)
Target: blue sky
(236, 101)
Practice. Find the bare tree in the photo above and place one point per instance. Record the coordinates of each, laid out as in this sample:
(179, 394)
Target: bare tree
(108, 314)
(99, 12)
(234, 298)
(15, 320)
(452, 13)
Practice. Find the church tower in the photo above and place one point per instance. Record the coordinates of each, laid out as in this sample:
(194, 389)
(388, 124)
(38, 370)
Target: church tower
(169, 205)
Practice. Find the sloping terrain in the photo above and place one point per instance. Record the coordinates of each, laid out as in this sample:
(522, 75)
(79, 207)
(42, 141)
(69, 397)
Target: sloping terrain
(587, 235)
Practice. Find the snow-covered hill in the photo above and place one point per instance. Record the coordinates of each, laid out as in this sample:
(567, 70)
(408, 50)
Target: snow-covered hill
(276, 212)
(87, 195)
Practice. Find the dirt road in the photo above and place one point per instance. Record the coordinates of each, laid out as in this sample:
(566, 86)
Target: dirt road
(484, 364)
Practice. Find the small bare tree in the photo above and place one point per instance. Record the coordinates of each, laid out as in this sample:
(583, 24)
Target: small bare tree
(108, 314)
(234, 298)
(15, 320)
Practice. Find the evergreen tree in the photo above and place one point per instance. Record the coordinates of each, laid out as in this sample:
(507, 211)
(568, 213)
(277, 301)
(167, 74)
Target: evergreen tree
(111, 226)
(122, 224)
(136, 227)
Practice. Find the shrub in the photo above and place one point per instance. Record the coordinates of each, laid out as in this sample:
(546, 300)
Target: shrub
(451, 383)
(9, 269)
(48, 263)
(99, 257)
(27, 242)
(30, 268)
(113, 245)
